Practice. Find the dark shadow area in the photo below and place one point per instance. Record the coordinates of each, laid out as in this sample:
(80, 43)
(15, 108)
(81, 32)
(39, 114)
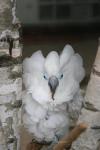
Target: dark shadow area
(51, 24)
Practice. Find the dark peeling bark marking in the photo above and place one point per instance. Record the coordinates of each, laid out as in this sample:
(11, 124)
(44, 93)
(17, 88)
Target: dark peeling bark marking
(9, 61)
(95, 72)
(90, 107)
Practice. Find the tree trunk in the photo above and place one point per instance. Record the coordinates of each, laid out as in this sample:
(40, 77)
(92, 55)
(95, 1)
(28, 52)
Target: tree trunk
(10, 77)
(90, 114)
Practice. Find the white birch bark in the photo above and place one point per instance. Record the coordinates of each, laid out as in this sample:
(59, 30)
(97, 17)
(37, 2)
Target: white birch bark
(10, 77)
(90, 114)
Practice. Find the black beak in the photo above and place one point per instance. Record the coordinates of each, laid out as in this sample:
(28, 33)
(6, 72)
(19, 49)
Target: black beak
(53, 83)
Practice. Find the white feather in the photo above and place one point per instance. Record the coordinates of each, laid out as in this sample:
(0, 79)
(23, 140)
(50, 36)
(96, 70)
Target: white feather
(52, 60)
(36, 61)
(66, 55)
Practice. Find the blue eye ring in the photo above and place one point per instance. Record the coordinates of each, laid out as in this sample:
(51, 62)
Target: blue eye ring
(45, 77)
(61, 76)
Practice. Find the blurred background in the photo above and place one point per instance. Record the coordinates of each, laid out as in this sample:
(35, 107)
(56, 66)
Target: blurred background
(51, 24)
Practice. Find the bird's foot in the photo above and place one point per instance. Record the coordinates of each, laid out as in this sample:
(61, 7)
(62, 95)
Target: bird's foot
(34, 146)
(55, 141)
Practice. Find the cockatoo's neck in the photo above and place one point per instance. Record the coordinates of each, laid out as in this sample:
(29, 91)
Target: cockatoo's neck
(54, 107)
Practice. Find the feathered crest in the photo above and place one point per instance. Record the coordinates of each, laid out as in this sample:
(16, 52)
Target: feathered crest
(68, 62)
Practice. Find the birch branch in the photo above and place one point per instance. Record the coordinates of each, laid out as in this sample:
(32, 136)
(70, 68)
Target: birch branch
(66, 141)
(90, 113)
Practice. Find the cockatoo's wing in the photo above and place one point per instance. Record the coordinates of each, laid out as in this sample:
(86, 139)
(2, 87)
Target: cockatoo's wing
(74, 107)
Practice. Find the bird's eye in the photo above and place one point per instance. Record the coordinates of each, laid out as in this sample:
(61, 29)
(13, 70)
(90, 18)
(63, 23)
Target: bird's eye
(45, 77)
(61, 76)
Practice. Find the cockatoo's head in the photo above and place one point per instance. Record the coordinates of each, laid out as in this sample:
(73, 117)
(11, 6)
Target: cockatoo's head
(55, 78)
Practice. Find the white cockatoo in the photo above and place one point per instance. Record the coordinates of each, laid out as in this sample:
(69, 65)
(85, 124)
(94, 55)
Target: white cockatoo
(51, 83)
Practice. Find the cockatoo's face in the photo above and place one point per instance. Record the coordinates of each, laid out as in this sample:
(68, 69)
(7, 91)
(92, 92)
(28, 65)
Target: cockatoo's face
(54, 79)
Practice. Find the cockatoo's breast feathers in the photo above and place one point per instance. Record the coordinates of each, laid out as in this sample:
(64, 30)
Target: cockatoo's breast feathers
(52, 63)
(67, 68)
